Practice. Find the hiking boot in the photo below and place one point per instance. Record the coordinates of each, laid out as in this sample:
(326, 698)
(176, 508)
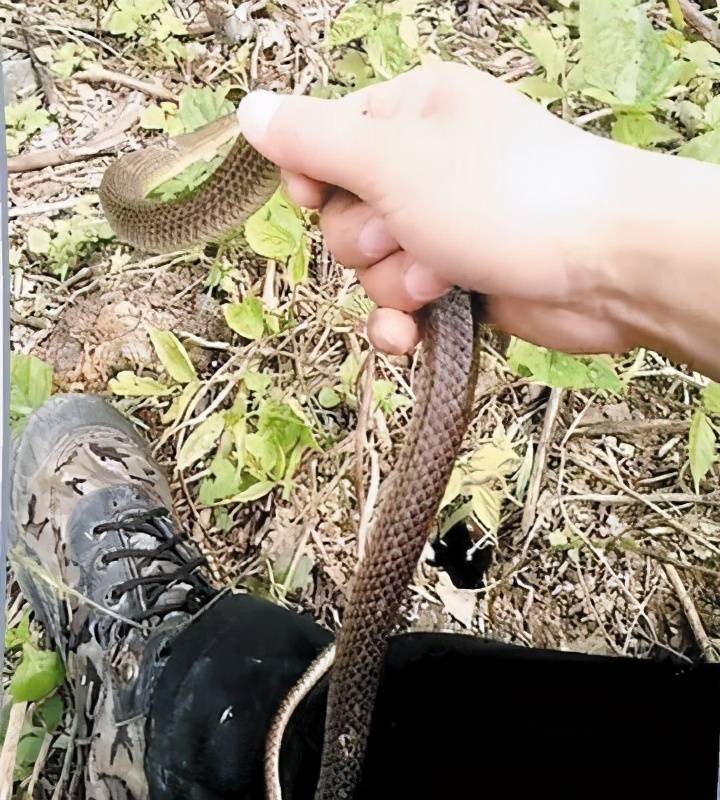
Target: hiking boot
(94, 547)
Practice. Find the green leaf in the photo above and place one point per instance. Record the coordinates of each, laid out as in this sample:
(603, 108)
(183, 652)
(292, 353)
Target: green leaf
(224, 483)
(676, 13)
(38, 674)
(712, 113)
(51, 712)
(128, 384)
(353, 69)
(328, 397)
(702, 447)
(622, 54)
(201, 441)
(152, 118)
(173, 355)
(711, 398)
(349, 372)
(197, 107)
(168, 24)
(703, 55)
(186, 181)
(28, 751)
(602, 374)
(298, 266)
(20, 634)
(546, 50)
(256, 381)
(642, 130)
(276, 230)
(453, 489)
(352, 22)
(254, 492)
(703, 148)
(560, 370)
(180, 404)
(387, 53)
(30, 384)
(246, 318)
(540, 89)
(486, 506)
(122, 23)
(38, 241)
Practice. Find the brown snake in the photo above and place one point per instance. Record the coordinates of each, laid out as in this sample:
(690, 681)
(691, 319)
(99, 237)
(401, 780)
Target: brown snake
(411, 496)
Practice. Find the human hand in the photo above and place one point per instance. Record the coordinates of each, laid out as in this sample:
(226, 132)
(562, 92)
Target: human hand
(446, 176)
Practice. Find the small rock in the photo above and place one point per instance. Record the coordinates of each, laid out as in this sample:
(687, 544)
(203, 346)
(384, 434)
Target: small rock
(19, 79)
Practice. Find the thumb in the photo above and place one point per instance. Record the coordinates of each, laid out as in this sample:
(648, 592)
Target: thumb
(333, 141)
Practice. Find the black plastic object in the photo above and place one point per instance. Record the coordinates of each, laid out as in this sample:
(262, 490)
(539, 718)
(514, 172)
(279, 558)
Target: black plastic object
(456, 717)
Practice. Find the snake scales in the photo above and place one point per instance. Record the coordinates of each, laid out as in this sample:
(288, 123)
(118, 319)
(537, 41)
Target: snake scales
(444, 392)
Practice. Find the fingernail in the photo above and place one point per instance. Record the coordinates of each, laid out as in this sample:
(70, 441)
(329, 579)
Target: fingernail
(423, 285)
(375, 240)
(255, 113)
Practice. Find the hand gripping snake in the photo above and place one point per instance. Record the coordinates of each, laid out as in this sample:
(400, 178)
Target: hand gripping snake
(411, 496)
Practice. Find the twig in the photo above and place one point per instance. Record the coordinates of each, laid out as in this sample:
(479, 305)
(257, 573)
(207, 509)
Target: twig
(39, 764)
(67, 761)
(9, 750)
(678, 526)
(104, 142)
(599, 113)
(94, 73)
(708, 649)
(369, 506)
(632, 427)
(39, 159)
(660, 497)
(700, 23)
(541, 457)
(15, 44)
(628, 545)
(44, 75)
(51, 208)
(365, 396)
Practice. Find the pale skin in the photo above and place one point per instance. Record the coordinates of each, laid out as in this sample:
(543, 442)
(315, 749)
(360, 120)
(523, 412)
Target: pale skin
(446, 176)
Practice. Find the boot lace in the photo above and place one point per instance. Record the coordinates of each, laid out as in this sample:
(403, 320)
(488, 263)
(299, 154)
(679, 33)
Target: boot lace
(178, 568)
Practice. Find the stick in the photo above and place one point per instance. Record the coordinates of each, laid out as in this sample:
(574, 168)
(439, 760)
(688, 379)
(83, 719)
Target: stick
(9, 750)
(51, 208)
(708, 649)
(39, 159)
(701, 24)
(16, 44)
(105, 141)
(94, 73)
(541, 457)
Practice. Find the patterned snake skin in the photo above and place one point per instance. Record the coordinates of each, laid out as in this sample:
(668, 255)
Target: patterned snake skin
(410, 498)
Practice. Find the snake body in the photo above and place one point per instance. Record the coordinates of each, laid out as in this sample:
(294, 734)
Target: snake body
(411, 496)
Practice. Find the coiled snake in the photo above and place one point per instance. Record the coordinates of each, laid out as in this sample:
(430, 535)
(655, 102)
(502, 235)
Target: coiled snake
(242, 183)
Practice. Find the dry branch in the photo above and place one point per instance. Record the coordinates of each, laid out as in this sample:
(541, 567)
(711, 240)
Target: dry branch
(9, 749)
(700, 23)
(94, 73)
(106, 141)
(541, 457)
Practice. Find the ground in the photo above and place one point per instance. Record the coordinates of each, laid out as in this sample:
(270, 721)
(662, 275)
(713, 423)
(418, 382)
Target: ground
(601, 540)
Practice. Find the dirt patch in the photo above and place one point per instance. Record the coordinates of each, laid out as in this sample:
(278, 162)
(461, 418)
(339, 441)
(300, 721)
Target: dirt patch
(107, 330)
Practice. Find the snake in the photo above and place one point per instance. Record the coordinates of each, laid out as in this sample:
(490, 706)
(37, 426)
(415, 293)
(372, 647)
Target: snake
(410, 497)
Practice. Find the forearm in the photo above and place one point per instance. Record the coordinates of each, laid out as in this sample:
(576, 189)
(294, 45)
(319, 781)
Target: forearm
(661, 246)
